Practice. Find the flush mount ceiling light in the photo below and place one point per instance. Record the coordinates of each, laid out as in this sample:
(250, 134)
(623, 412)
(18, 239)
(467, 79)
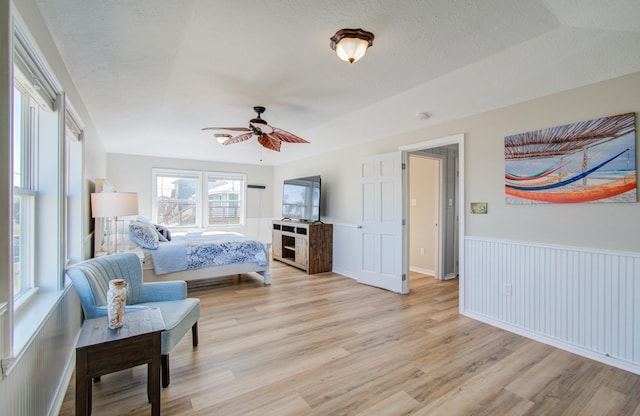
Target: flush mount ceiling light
(221, 138)
(351, 44)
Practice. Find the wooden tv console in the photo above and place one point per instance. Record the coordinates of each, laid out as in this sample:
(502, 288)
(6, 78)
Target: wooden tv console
(307, 246)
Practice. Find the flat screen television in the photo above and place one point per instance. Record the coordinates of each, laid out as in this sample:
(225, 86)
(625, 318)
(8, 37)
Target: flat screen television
(301, 199)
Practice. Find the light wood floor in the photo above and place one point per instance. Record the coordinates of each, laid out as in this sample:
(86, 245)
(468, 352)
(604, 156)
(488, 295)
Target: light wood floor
(325, 345)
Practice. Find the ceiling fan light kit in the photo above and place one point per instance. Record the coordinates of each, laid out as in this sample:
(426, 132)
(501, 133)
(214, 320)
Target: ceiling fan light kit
(351, 44)
(221, 137)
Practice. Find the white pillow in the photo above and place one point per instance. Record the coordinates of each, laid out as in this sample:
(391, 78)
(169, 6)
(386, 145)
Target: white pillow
(144, 235)
(145, 220)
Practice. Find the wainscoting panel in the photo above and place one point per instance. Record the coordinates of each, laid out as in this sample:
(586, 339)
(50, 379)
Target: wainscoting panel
(583, 300)
(345, 249)
(38, 382)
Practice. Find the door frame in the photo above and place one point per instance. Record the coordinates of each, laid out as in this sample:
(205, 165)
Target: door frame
(430, 144)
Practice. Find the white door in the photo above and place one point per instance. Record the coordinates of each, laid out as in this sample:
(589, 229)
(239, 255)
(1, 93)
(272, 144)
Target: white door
(380, 223)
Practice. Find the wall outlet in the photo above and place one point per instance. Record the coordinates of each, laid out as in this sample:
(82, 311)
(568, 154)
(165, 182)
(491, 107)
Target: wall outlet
(508, 290)
(422, 251)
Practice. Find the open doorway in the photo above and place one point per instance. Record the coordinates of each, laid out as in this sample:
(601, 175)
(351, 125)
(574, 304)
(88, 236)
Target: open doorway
(424, 214)
(438, 178)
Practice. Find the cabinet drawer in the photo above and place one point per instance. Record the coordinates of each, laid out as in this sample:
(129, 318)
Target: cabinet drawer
(130, 352)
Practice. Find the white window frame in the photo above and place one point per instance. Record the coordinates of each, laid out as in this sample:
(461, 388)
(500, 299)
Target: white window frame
(27, 249)
(201, 197)
(73, 186)
(26, 193)
(241, 177)
(20, 320)
(183, 174)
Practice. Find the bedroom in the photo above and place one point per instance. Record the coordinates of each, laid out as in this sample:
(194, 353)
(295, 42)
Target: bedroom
(557, 227)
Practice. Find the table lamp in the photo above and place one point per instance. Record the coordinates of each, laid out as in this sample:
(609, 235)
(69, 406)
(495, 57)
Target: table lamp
(114, 205)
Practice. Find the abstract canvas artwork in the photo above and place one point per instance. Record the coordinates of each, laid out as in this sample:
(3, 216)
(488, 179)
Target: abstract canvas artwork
(589, 161)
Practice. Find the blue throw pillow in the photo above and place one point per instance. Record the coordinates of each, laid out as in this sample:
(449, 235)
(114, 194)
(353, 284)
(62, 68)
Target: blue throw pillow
(144, 235)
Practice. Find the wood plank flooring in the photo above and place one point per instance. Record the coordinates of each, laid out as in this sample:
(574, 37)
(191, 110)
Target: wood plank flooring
(325, 345)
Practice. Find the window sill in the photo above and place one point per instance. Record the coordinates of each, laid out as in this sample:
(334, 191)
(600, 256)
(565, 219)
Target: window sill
(28, 321)
(24, 299)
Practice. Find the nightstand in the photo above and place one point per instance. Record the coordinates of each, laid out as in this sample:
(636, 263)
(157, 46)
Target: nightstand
(101, 351)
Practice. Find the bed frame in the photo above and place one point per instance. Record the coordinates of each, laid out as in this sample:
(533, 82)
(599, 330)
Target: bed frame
(205, 273)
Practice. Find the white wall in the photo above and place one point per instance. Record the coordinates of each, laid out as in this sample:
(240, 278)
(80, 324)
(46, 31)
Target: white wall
(607, 226)
(423, 188)
(591, 230)
(132, 173)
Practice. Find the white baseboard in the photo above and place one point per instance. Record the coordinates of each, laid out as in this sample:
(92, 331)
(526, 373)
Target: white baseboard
(583, 300)
(422, 271)
(345, 273)
(575, 349)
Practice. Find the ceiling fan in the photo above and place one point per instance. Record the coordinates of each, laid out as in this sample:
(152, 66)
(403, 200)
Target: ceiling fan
(268, 136)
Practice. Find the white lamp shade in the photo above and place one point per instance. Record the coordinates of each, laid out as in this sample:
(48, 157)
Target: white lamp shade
(114, 204)
(221, 138)
(351, 49)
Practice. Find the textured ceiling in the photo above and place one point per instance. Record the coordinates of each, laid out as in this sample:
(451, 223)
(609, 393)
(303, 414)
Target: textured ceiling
(152, 73)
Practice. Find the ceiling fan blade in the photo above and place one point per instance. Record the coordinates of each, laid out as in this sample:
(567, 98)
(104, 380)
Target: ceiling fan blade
(237, 139)
(270, 142)
(227, 128)
(285, 136)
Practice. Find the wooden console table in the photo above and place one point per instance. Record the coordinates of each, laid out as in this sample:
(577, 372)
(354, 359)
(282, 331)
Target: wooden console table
(101, 351)
(303, 245)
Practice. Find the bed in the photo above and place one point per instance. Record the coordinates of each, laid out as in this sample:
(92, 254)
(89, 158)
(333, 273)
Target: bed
(200, 255)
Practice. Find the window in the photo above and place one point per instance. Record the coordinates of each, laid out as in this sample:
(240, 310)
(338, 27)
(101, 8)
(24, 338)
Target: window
(36, 278)
(180, 201)
(176, 198)
(73, 183)
(37, 173)
(225, 199)
(24, 131)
